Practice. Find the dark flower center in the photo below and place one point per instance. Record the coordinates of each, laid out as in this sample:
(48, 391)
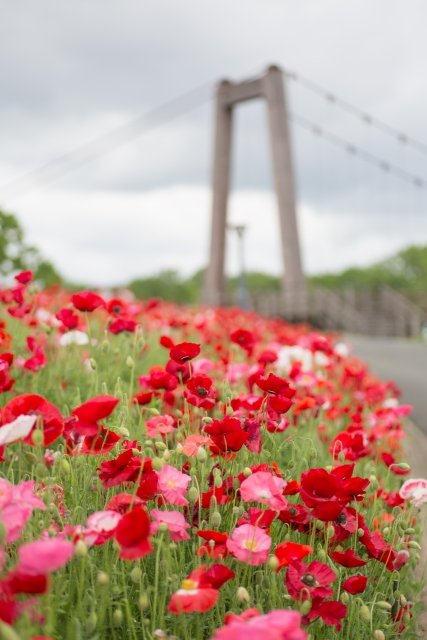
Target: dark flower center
(341, 518)
(201, 391)
(309, 580)
(293, 511)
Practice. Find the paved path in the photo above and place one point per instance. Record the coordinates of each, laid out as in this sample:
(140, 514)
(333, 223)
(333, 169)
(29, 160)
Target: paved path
(403, 361)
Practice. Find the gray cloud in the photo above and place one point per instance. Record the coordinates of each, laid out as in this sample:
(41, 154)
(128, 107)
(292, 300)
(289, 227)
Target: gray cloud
(72, 71)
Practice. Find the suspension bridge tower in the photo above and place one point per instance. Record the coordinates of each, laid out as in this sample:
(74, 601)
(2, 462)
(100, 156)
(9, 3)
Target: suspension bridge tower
(270, 87)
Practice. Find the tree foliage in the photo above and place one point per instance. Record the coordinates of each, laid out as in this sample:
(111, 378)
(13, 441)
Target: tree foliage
(16, 255)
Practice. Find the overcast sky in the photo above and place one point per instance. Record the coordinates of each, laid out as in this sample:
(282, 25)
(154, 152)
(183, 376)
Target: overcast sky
(74, 70)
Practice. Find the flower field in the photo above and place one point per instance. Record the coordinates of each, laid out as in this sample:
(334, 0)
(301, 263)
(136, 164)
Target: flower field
(197, 474)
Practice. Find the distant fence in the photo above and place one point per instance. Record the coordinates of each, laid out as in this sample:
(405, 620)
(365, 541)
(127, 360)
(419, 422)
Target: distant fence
(378, 312)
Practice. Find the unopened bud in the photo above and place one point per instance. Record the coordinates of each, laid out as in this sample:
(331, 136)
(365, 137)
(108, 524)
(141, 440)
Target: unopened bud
(159, 634)
(102, 579)
(143, 601)
(192, 494)
(123, 432)
(157, 464)
(91, 622)
(413, 544)
(402, 465)
(130, 362)
(330, 531)
(80, 549)
(92, 363)
(403, 601)
(242, 595)
(153, 411)
(305, 607)
(64, 466)
(247, 472)
(135, 575)
(379, 635)
(37, 437)
(365, 613)
(216, 519)
(345, 598)
(117, 617)
(360, 532)
(273, 562)
(202, 456)
(207, 420)
(382, 604)
(386, 531)
(218, 481)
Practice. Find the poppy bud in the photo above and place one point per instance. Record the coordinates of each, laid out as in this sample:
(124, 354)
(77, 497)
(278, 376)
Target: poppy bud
(218, 481)
(402, 465)
(386, 531)
(360, 532)
(365, 613)
(30, 457)
(153, 411)
(117, 617)
(91, 622)
(216, 519)
(382, 604)
(322, 555)
(159, 634)
(123, 432)
(345, 598)
(273, 562)
(143, 601)
(40, 471)
(207, 420)
(64, 466)
(379, 635)
(130, 362)
(413, 544)
(410, 531)
(247, 472)
(157, 464)
(92, 363)
(202, 456)
(242, 595)
(192, 494)
(179, 448)
(403, 601)
(166, 455)
(305, 607)
(103, 579)
(330, 531)
(135, 575)
(37, 437)
(80, 550)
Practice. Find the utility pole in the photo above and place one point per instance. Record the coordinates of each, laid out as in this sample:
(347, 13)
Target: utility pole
(270, 87)
(242, 286)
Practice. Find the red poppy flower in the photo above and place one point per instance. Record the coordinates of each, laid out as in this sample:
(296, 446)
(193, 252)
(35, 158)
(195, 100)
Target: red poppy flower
(261, 518)
(87, 301)
(17, 582)
(302, 580)
(32, 404)
(200, 392)
(184, 352)
(227, 435)
(296, 516)
(355, 584)
(390, 461)
(348, 558)
(214, 545)
(288, 552)
(275, 386)
(24, 277)
(100, 443)
(68, 317)
(90, 412)
(331, 611)
(125, 468)
(120, 325)
(6, 382)
(199, 591)
(132, 534)
(353, 443)
(244, 339)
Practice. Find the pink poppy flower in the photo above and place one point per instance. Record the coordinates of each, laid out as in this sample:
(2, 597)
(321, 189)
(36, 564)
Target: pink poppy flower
(249, 544)
(414, 490)
(43, 556)
(18, 429)
(175, 522)
(279, 624)
(160, 426)
(194, 443)
(173, 485)
(265, 488)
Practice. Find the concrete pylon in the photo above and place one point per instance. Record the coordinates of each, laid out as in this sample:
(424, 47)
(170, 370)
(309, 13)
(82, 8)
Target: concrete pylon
(269, 86)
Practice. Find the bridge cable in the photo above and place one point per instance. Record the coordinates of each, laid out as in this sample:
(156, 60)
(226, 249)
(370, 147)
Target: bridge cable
(359, 152)
(366, 118)
(101, 145)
